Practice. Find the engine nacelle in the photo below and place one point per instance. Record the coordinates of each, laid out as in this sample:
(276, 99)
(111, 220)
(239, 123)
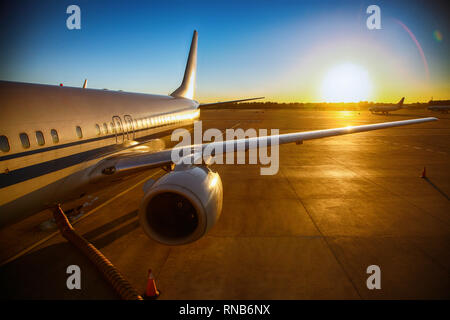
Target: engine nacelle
(182, 205)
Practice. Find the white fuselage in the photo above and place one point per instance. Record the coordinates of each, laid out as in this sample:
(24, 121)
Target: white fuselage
(54, 134)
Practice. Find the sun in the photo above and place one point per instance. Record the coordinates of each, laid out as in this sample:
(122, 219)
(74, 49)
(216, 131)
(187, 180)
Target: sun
(346, 82)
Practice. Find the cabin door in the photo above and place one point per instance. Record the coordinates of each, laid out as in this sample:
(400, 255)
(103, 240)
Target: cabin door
(129, 126)
(118, 129)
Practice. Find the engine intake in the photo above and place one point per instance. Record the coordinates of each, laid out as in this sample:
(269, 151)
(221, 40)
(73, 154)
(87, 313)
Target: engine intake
(182, 205)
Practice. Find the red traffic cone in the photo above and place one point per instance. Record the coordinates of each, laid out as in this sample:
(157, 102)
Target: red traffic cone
(424, 173)
(151, 292)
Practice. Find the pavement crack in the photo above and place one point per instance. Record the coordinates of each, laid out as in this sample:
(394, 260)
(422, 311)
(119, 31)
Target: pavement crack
(164, 263)
(323, 237)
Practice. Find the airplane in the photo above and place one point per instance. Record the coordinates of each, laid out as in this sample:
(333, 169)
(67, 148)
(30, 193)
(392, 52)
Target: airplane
(60, 143)
(438, 107)
(386, 109)
(442, 109)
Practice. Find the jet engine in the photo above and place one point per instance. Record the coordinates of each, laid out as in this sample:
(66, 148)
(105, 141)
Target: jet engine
(182, 205)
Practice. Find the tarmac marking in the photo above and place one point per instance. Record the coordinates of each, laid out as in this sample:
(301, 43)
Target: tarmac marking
(36, 244)
(238, 123)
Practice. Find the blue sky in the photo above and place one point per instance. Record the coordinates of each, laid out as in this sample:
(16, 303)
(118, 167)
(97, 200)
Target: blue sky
(280, 49)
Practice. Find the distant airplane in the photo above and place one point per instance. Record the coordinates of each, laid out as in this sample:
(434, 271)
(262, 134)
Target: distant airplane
(387, 109)
(442, 109)
(60, 143)
(437, 107)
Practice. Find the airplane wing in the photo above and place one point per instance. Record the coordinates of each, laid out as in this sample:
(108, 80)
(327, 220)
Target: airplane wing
(205, 105)
(125, 163)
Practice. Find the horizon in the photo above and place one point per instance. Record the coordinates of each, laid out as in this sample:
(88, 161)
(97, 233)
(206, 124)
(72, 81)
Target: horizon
(289, 51)
(350, 102)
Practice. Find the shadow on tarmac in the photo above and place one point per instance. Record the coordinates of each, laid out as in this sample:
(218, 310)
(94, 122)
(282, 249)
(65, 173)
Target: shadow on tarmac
(42, 273)
(436, 187)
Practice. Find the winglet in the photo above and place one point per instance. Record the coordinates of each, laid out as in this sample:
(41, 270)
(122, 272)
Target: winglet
(187, 87)
(400, 103)
(85, 84)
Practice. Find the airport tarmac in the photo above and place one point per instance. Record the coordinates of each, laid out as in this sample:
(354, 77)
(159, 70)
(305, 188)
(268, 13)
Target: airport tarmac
(336, 206)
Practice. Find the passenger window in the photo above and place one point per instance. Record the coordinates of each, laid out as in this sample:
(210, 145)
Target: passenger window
(105, 127)
(40, 138)
(97, 129)
(54, 135)
(79, 132)
(25, 141)
(4, 144)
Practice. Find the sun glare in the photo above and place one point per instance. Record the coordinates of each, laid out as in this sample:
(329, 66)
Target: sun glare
(346, 83)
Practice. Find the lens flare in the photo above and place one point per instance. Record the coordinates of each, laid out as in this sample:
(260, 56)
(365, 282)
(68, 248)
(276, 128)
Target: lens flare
(419, 47)
(437, 35)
